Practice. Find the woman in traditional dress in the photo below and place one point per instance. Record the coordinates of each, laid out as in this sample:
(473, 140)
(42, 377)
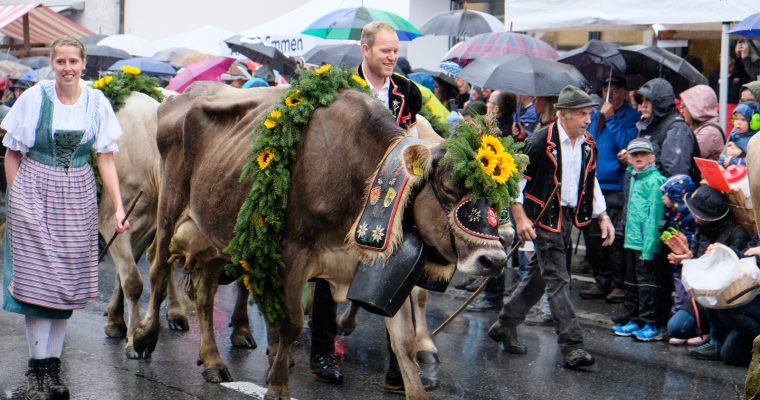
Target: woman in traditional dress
(51, 248)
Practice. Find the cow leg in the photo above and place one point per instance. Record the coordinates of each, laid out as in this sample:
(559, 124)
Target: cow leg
(401, 330)
(115, 325)
(288, 332)
(427, 353)
(347, 320)
(176, 313)
(241, 336)
(205, 282)
(171, 205)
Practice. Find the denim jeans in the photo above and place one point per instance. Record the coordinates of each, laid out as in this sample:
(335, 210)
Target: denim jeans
(682, 325)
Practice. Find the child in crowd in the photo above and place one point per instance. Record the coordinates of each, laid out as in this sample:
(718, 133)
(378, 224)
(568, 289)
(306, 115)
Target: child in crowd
(645, 210)
(736, 150)
(685, 325)
(716, 225)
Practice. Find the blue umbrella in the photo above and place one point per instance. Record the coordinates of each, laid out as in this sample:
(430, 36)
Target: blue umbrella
(29, 76)
(148, 66)
(749, 27)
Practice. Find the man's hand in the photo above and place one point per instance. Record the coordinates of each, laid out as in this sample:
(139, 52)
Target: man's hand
(622, 157)
(752, 251)
(608, 231)
(525, 230)
(607, 110)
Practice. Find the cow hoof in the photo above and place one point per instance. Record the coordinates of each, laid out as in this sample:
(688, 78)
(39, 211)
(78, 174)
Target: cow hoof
(131, 354)
(243, 340)
(428, 357)
(217, 375)
(145, 342)
(178, 323)
(117, 331)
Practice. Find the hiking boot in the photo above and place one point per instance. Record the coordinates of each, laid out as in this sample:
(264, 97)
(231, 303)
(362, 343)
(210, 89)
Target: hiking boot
(577, 358)
(648, 333)
(507, 336)
(616, 296)
(37, 380)
(707, 351)
(481, 304)
(325, 368)
(593, 293)
(626, 330)
(56, 388)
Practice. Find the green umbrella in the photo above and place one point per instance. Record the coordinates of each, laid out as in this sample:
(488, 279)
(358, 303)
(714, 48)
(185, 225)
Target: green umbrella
(347, 24)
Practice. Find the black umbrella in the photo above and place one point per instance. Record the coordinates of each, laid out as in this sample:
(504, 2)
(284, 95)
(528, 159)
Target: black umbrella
(653, 62)
(349, 55)
(596, 61)
(462, 23)
(36, 62)
(99, 58)
(522, 74)
(263, 54)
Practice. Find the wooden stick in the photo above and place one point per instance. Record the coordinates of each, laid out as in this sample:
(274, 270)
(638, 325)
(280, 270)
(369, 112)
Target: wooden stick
(742, 293)
(483, 285)
(131, 208)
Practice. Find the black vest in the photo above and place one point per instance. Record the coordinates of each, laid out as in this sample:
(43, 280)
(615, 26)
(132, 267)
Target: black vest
(545, 171)
(404, 98)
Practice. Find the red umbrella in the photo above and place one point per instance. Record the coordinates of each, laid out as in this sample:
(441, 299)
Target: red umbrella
(205, 70)
(497, 44)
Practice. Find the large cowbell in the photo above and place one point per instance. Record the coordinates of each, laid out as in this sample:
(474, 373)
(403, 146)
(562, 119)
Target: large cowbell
(382, 286)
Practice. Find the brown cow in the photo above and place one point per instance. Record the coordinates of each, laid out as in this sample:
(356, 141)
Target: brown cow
(204, 139)
(138, 163)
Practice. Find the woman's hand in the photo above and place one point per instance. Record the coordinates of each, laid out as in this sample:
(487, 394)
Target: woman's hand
(121, 227)
(752, 251)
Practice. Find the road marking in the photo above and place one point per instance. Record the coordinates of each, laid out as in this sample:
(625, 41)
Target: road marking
(248, 388)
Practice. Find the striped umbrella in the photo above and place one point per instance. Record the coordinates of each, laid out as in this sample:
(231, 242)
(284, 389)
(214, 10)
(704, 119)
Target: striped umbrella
(347, 24)
(498, 44)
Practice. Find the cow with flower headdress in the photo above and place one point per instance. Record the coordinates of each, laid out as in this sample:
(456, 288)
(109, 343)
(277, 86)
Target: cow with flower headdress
(279, 182)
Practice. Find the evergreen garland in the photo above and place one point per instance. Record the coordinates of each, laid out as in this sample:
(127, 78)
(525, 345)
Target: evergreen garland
(255, 248)
(119, 86)
(489, 166)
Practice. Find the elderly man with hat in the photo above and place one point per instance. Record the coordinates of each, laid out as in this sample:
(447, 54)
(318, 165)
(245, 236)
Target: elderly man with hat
(612, 126)
(562, 153)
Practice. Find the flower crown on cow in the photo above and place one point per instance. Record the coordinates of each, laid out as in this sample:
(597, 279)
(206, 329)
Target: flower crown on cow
(118, 86)
(487, 165)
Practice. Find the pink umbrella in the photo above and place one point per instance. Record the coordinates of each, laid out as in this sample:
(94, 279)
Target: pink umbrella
(205, 70)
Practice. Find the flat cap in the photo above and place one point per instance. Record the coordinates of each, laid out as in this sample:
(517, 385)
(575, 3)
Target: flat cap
(572, 97)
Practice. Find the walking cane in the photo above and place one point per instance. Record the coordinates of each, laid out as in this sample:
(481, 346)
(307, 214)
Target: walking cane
(131, 207)
(483, 285)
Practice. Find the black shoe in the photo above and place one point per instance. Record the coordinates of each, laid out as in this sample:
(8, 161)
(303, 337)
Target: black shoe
(56, 388)
(481, 304)
(616, 296)
(466, 282)
(395, 383)
(593, 293)
(577, 358)
(507, 336)
(621, 319)
(325, 368)
(37, 380)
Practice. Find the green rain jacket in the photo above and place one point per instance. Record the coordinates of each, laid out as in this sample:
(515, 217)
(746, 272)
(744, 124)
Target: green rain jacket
(645, 211)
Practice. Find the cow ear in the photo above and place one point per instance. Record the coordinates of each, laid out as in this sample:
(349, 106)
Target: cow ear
(417, 160)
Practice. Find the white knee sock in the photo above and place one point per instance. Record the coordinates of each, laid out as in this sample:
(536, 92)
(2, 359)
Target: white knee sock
(55, 342)
(37, 334)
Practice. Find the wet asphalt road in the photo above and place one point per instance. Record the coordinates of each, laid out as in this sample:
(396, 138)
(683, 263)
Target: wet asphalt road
(473, 367)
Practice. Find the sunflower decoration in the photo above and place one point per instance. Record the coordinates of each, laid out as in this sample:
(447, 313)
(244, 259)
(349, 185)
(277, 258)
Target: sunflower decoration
(130, 70)
(271, 120)
(265, 158)
(489, 167)
(293, 99)
(323, 69)
(358, 79)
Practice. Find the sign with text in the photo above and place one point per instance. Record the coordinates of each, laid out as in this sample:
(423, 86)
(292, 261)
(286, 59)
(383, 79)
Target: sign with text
(713, 174)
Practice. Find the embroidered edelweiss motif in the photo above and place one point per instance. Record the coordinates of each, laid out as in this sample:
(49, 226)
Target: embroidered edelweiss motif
(379, 181)
(474, 215)
(392, 182)
(362, 230)
(378, 233)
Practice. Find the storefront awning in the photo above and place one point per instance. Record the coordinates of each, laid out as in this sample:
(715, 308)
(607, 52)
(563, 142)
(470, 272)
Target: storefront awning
(45, 25)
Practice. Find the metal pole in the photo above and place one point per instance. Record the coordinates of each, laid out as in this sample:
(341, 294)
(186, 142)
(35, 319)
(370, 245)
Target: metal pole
(723, 93)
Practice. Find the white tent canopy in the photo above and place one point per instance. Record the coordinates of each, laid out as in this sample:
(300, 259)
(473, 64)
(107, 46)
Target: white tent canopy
(596, 15)
(601, 15)
(207, 39)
